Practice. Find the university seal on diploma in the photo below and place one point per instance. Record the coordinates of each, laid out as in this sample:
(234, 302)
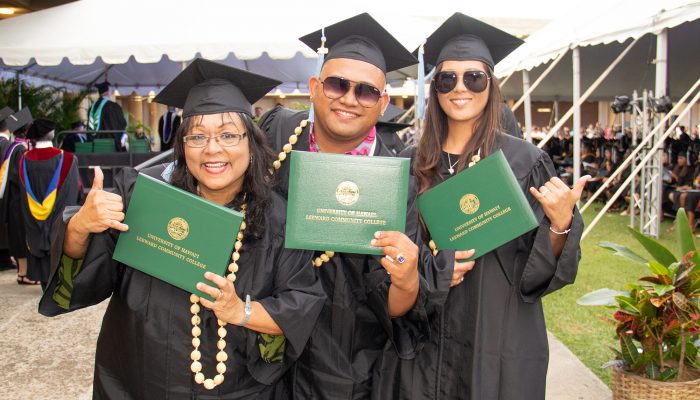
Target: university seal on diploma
(336, 202)
(493, 212)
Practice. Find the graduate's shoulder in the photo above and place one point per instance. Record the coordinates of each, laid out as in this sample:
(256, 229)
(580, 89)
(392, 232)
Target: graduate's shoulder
(522, 155)
(280, 117)
(408, 152)
(276, 215)
(125, 178)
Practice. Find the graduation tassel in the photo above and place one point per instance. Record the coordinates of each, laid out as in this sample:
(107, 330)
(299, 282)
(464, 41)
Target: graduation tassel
(322, 51)
(420, 108)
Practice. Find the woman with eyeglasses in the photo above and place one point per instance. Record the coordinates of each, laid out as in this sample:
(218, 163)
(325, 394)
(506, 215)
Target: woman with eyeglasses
(488, 338)
(158, 341)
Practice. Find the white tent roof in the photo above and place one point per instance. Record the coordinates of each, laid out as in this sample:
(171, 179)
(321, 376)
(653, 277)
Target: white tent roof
(144, 43)
(617, 21)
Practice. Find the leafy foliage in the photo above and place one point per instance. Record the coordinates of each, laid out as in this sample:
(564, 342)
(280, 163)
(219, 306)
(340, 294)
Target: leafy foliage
(54, 103)
(658, 320)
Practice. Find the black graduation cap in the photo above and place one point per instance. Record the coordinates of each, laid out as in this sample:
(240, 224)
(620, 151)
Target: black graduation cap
(362, 38)
(206, 87)
(462, 38)
(102, 87)
(390, 114)
(18, 119)
(40, 128)
(5, 112)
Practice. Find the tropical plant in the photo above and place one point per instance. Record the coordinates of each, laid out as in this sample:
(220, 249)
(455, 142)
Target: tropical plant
(54, 103)
(658, 319)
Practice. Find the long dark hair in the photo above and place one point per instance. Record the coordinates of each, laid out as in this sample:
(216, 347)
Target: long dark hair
(426, 166)
(257, 184)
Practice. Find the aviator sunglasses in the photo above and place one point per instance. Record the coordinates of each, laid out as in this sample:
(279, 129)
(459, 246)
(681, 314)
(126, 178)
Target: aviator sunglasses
(335, 87)
(475, 81)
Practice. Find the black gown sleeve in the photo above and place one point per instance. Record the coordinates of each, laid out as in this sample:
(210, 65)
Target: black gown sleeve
(436, 271)
(86, 282)
(408, 332)
(297, 293)
(543, 272)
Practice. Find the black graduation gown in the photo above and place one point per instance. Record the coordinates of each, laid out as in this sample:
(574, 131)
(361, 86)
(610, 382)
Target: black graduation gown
(41, 165)
(4, 145)
(112, 119)
(354, 327)
(171, 135)
(509, 123)
(488, 338)
(69, 141)
(143, 350)
(16, 233)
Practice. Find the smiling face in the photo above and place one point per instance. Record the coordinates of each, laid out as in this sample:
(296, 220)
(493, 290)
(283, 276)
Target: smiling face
(219, 169)
(344, 120)
(461, 104)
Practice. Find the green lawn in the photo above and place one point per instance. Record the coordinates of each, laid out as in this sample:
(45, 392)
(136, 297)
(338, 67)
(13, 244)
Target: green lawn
(581, 328)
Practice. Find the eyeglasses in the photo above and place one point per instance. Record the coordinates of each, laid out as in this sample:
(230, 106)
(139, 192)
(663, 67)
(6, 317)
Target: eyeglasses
(335, 87)
(475, 81)
(225, 139)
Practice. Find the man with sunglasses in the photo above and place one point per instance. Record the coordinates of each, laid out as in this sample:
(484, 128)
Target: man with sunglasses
(367, 311)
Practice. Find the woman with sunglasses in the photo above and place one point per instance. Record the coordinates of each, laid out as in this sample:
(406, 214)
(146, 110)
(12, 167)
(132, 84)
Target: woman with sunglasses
(158, 341)
(488, 339)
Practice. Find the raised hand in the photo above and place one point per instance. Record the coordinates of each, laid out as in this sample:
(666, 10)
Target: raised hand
(102, 210)
(558, 200)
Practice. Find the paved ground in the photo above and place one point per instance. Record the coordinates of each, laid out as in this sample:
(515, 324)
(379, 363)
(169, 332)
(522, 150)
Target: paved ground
(52, 358)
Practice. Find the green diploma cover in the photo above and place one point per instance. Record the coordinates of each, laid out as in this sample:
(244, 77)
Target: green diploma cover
(176, 236)
(336, 202)
(480, 208)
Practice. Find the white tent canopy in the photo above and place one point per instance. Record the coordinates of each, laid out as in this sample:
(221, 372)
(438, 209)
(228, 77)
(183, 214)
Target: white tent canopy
(143, 44)
(602, 33)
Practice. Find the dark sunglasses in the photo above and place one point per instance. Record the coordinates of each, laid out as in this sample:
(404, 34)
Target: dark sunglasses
(475, 81)
(335, 87)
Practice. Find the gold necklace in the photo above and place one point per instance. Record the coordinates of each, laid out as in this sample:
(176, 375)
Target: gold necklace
(221, 356)
(286, 149)
(475, 159)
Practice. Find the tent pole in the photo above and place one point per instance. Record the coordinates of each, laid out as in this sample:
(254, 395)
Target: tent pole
(576, 62)
(503, 82)
(654, 151)
(528, 109)
(638, 147)
(587, 93)
(661, 63)
(19, 91)
(538, 81)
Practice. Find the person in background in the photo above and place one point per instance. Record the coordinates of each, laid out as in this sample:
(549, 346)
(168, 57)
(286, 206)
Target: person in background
(5, 142)
(106, 115)
(167, 126)
(77, 135)
(50, 182)
(18, 124)
(258, 114)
